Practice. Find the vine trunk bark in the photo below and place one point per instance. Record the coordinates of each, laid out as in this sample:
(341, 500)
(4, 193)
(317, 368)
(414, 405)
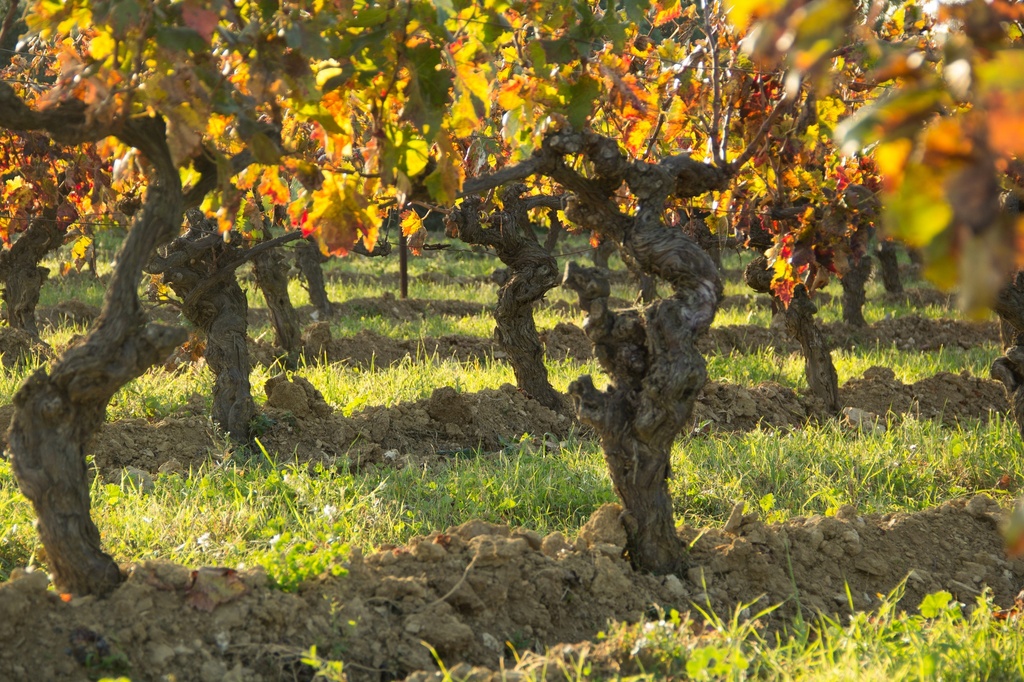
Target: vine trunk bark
(798, 318)
(21, 273)
(199, 267)
(650, 355)
(56, 413)
(309, 260)
(532, 272)
(272, 279)
(854, 283)
(889, 267)
(1009, 368)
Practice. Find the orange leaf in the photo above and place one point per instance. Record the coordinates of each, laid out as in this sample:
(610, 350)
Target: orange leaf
(411, 222)
(667, 12)
(272, 187)
(341, 213)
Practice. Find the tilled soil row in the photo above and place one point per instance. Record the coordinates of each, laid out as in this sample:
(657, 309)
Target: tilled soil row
(476, 593)
(301, 426)
(367, 349)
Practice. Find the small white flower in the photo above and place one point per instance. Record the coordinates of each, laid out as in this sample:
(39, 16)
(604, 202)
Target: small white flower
(203, 540)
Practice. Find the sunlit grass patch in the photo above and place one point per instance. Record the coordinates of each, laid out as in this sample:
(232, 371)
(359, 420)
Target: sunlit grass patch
(914, 465)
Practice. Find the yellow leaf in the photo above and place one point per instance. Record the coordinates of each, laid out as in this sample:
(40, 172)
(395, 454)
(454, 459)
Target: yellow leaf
(918, 211)
(340, 214)
(1006, 122)
(445, 181)
(273, 188)
(509, 96)
(411, 222)
(80, 248)
(742, 12)
(102, 46)
(891, 158)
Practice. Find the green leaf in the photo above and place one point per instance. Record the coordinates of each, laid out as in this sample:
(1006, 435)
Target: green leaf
(431, 81)
(181, 39)
(935, 604)
(337, 78)
(636, 9)
(370, 16)
(580, 98)
(264, 150)
(561, 51)
(918, 210)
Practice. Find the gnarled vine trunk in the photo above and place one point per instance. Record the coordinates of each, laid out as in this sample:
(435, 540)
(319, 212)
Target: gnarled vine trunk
(56, 413)
(798, 318)
(601, 253)
(200, 268)
(1009, 368)
(854, 283)
(21, 273)
(532, 272)
(818, 367)
(554, 233)
(889, 267)
(272, 279)
(309, 259)
(650, 355)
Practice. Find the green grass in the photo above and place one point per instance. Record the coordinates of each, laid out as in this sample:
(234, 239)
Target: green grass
(909, 366)
(949, 641)
(298, 521)
(914, 465)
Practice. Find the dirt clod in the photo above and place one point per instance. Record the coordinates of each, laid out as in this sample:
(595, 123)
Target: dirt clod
(16, 346)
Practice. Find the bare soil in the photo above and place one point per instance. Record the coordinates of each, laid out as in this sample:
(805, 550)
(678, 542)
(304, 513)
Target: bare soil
(16, 346)
(69, 312)
(911, 332)
(949, 398)
(367, 349)
(407, 309)
(300, 426)
(476, 592)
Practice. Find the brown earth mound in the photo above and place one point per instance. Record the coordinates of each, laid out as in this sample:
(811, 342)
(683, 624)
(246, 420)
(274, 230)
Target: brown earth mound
(922, 297)
(947, 397)
(913, 332)
(69, 312)
(16, 346)
(905, 333)
(472, 589)
(445, 424)
(300, 426)
(172, 444)
(567, 342)
(950, 398)
(368, 349)
(728, 407)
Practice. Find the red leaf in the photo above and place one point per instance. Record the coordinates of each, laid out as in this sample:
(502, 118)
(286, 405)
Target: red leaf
(201, 20)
